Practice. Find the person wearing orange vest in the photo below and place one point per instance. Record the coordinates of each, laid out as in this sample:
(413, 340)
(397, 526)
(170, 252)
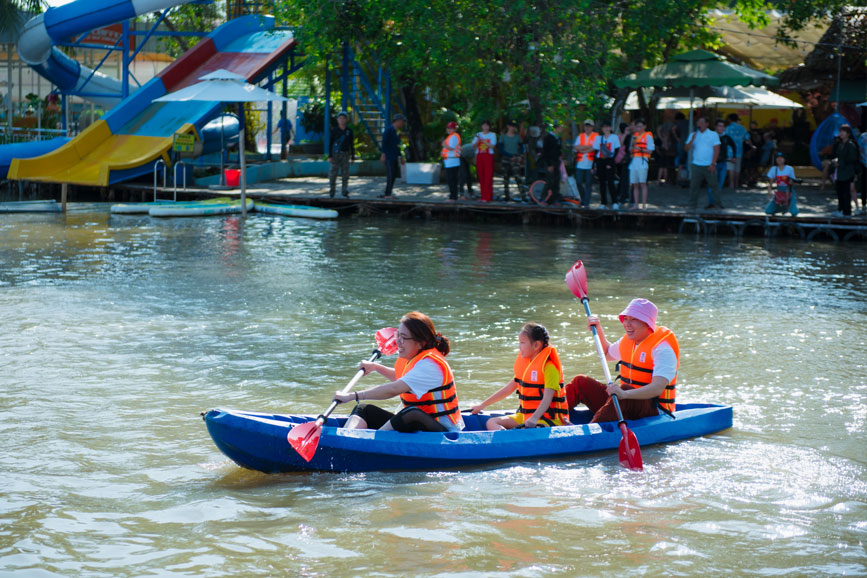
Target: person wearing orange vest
(421, 377)
(538, 381)
(451, 154)
(641, 149)
(585, 155)
(648, 356)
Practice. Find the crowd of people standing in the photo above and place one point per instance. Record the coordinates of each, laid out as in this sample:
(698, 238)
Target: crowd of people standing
(707, 158)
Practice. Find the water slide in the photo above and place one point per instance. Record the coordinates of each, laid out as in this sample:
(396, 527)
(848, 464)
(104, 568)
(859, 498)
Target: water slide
(130, 138)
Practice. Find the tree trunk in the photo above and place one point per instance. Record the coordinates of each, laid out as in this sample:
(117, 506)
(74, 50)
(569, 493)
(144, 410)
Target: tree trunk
(415, 127)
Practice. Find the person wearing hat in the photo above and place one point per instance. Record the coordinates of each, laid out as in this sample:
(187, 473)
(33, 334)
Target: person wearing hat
(648, 356)
(451, 154)
(391, 155)
(780, 179)
(585, 148)
(341, 152)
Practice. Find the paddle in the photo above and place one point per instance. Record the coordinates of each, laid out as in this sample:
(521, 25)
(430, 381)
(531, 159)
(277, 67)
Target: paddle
(305, 437)
(630, 452)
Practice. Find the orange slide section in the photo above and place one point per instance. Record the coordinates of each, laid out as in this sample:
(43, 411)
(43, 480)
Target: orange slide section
(88, 159)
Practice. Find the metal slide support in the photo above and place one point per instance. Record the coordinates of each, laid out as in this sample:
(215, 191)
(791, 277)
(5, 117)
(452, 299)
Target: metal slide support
(156, 167)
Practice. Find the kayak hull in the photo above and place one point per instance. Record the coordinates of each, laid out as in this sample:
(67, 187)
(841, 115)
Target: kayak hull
(257, 441)
(296, 211)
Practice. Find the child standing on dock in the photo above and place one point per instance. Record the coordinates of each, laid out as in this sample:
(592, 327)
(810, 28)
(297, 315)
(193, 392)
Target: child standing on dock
(539, 382)
(780, 179)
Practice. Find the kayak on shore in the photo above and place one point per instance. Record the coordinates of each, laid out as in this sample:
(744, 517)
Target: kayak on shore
(257, 441)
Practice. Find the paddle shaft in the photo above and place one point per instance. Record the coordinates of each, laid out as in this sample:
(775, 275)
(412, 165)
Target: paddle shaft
(586, 302)
(358, 375)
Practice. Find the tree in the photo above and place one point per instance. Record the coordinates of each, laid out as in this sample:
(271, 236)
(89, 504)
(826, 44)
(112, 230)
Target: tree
(13, 14)
(482, 58)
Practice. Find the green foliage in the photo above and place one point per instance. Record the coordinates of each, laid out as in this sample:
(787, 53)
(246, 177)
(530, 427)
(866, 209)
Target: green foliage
(188, 18)
(312, 116)
(525, 59)
(11, 18)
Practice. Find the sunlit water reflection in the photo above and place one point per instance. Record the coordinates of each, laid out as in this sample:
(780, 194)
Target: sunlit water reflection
(118, 331)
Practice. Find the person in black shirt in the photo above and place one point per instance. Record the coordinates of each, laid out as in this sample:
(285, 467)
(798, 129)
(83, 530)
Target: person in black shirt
(550, 158)
(391, 155)
(341, 153)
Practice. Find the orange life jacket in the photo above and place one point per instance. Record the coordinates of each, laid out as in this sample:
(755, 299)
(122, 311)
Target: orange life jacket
(449, 152)
(636, 362)
(438, 402)
(639, 145)
(585, 140)
(530, 375)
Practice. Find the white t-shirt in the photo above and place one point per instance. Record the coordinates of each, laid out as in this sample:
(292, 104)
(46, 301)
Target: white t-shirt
(782, 178)
(423, 377)
(586, 163)
(455, 161)
(611, 143)
(664, 359)
(702, 149)
(641, 162)
(490, 138)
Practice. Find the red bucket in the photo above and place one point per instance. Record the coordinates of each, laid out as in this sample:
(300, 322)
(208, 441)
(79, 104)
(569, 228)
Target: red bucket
(233, 177)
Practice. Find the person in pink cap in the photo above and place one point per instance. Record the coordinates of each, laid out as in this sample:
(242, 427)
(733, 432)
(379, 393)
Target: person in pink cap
(648, 357)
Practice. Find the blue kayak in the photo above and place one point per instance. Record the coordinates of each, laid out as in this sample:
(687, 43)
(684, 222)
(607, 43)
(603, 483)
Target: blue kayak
(257, 441)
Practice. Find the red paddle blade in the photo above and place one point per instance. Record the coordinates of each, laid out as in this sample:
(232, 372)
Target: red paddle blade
(305, 439)
(386, 340)
(576, 280)
(630, 452)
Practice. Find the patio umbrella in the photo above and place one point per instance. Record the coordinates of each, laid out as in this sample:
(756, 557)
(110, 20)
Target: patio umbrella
(224, 86)
(694, 69)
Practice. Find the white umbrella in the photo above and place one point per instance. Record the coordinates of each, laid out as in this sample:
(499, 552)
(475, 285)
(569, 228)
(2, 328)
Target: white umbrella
(224, 86)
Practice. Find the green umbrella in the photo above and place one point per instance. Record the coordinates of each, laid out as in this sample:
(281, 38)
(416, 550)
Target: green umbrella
(694, 69)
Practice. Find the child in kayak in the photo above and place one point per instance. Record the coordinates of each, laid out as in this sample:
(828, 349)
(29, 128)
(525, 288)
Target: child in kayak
(539, 382)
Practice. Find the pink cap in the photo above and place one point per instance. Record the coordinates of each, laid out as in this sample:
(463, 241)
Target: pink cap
(643, 310)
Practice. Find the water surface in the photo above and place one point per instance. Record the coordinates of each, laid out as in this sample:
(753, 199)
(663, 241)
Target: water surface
(119, 330)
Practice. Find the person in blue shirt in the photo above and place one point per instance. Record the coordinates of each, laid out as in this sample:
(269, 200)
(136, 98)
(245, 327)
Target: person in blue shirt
(284, 125)
(739, 134)
(391, 155)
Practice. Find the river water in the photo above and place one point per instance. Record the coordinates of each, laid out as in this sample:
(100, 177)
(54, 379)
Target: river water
(117, 331)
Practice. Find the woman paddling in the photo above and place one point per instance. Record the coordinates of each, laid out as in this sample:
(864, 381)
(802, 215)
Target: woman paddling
(539, 381)
(421, 377)
(649, 357)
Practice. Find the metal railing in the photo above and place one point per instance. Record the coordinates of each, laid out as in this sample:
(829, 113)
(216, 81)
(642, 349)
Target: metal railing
(156, 168)
(175, 177)
(19, 134)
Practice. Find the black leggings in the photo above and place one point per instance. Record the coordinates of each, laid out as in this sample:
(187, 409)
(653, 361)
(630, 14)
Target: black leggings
(407, 420)
(844, 196)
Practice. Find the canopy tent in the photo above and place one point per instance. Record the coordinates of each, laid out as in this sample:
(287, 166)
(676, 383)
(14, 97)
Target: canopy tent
(696, 68)
(757, 47)
(745, 96)
(224, 86)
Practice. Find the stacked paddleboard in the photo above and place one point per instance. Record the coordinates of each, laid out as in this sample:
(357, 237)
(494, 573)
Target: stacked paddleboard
(219, 206)
(30, 207)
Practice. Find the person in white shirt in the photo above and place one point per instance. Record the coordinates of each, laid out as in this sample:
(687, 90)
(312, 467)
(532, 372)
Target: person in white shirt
(641, 148)
(421, 377)
(485, 143)
(705, 145)
(451, 154)
(780, 179)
